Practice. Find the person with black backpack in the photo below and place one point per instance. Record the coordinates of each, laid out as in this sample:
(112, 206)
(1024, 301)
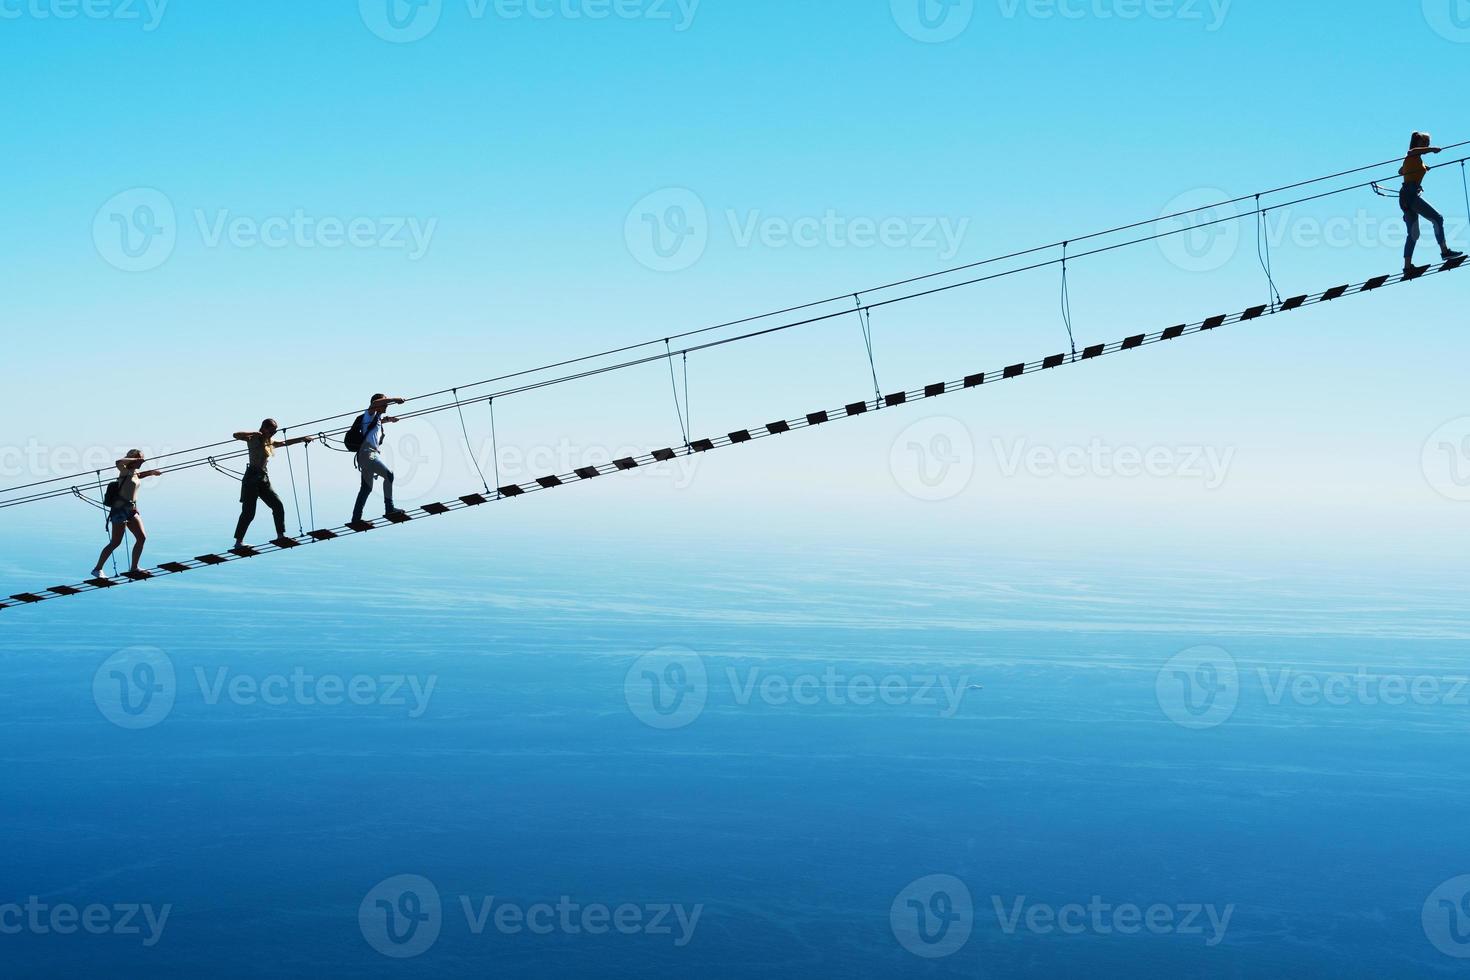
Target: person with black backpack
(256, 485)
(365, 438)
(121, 502)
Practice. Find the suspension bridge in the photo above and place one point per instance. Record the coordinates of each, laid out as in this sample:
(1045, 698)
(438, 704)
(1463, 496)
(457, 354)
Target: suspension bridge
(696, 341)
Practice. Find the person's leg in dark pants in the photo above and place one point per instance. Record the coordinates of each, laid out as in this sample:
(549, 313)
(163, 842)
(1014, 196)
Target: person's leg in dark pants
(249, 494)
(387, 475)
(372, 467)
(1408, 201)
(364, 464)
(272, 500)
(1437, 220)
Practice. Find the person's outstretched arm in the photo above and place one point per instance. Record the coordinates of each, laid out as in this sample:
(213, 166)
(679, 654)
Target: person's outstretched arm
(282, 444)
(1419, 151)
(381, 405)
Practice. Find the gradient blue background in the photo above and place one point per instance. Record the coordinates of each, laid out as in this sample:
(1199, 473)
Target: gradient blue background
(1332, 542)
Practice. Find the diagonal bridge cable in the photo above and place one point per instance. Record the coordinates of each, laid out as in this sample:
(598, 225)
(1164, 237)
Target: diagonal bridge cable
(737, 438)
(63, 483)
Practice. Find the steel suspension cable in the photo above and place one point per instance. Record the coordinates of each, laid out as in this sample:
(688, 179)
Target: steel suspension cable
(787, 326)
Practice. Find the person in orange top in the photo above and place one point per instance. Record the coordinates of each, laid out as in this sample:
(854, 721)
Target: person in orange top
(1411, 200)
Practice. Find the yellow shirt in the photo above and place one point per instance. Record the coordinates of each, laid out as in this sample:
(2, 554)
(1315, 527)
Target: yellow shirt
(1414, 168)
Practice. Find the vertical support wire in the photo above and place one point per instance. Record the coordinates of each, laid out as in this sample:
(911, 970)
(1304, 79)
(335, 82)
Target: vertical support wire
(688, 412)
(1263, 254)
(1464, 186)
(494, 449)
(295, 498)
(469, 448)
(674, 386)
(310, 496)
(865, 321)
(1067, 303)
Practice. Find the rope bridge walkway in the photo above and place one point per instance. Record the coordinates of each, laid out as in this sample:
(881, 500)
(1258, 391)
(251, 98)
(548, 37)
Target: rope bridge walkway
(783, 427)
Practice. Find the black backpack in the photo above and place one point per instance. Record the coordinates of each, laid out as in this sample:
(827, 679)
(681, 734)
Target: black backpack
(355, 436)
(112, 496)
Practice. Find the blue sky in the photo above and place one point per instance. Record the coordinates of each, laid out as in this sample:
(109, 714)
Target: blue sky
(493, 175)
